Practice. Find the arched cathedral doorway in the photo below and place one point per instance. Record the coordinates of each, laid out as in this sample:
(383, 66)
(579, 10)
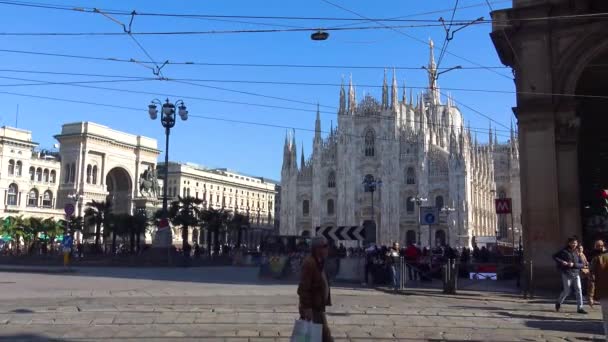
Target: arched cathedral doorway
(120, 188)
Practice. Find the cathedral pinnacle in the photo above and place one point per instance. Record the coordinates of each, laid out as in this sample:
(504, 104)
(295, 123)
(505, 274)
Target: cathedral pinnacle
(318, 125)
(384, 92)
(394, 90)
(302, 160)
(403, 97)
(342, 109)
(352, 100)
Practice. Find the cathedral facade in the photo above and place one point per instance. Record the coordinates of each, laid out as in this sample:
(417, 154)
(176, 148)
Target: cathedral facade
(417, 152)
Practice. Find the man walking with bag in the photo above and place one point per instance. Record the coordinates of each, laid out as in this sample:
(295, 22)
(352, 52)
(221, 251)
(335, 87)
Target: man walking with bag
(570, 264)
(599, 281)
(313, 290)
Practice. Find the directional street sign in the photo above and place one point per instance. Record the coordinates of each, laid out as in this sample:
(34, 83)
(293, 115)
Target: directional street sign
(429, 216)
(342, 233)
(69, 209)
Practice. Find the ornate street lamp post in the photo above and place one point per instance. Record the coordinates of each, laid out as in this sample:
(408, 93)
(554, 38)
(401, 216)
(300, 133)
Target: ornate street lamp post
(167, 119)
(418, 201)
(448, 210)
(370, 184)
(77, 198)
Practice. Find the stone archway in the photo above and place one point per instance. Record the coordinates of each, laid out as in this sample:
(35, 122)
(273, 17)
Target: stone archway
(120, 187)
(593, 146)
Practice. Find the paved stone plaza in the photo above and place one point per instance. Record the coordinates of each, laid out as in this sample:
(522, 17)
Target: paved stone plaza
(230, 304)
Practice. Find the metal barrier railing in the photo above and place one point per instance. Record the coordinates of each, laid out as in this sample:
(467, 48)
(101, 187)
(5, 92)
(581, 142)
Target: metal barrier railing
(450, 272)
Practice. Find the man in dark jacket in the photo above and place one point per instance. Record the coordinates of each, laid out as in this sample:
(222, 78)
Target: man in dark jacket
(313, 289)
(570, 264)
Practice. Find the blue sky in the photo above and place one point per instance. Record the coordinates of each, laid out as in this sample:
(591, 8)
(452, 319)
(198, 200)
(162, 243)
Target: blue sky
(246, 148)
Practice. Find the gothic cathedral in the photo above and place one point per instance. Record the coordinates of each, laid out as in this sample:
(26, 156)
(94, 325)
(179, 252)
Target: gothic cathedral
(416, 153)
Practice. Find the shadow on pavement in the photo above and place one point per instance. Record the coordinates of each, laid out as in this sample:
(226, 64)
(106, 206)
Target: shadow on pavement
(577, 325)
(29, 338)
(216, 275)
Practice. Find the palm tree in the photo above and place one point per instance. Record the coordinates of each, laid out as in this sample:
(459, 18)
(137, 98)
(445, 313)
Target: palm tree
(214, 221)
(97, 212)
(237, 223)
(52, 229)
(36, 228)
(117, 225)
(185, 213)
(14, 227)
(139, 227)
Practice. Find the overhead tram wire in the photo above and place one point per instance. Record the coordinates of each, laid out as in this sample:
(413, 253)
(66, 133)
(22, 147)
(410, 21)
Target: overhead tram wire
(92, 10)
(252, 65)
(416, 38)
(82, 84)
(195, 115)
(479, 130)
(361, 19)
(213, 32)
(314, 84)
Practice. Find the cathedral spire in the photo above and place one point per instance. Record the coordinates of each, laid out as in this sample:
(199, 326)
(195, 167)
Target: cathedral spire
(342, 109)
(384, 92)
(490, 136)
(432, 68)
(302, 160)
(403, 97)
(286, 155)
(495, 139)
(318, 125)
(394, 90)
(293, 157)
(411, 97)
(352, 105)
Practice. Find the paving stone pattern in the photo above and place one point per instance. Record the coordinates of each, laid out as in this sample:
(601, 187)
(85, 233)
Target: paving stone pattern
(138, 305)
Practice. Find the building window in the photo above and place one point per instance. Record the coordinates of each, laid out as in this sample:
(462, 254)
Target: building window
(32, 198)
(305, 207)
(72, 173)
(89, 173)
(11, 167)
(53, 176)
(188, 192)
(32, 174)
(45, 175)
(409, 205)
(330, 207)
(18, 169)
(13, 190)
(67, 173)
(410, 176)
(39, 174)
(95, 174)
(370, 142)
(47, 199)
(331, 179)
(184, 192)
(439, 202)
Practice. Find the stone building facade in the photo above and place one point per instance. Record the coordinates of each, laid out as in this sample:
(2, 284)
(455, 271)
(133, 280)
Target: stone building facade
(103, 164)
(251, 196)
(558, 50)
(29, 178)
(417, 148)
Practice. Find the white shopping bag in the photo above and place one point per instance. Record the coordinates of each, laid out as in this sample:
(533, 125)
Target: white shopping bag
(306, 331)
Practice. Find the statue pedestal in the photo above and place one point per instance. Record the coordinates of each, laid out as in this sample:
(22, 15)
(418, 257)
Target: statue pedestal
(149, 206)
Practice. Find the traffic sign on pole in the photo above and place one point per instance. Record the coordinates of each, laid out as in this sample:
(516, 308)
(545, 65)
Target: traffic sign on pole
(69, 209)
(429, 216)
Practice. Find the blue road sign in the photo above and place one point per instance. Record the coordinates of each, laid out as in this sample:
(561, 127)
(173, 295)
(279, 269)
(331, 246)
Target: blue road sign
(429, 216)
(67, 241)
